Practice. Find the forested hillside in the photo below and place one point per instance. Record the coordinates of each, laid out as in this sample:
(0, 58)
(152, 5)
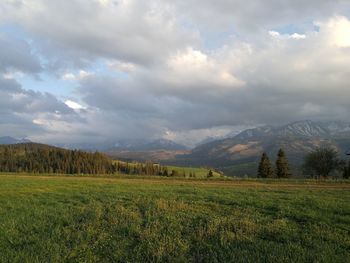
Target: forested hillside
(40, 158)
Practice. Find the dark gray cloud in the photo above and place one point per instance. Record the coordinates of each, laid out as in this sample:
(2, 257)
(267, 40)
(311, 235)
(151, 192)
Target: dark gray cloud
(15, 99)
(77, 32)
(29, 113)
(162, 78)
(255, 15)
(16, 54)
(80, 30)
(289, 79)
(115, 94)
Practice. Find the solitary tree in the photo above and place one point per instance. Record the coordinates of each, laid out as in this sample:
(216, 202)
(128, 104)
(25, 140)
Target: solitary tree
(321, 162)
(282, 167)
(265, 169)
(210, 173)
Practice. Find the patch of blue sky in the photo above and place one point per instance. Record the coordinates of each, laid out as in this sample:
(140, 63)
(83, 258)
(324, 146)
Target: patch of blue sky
(214, 40)
(306, 26)
(211, 38)
(299, 28)
(48, 83)
(12, 30)
(40, 82)
(62, 88)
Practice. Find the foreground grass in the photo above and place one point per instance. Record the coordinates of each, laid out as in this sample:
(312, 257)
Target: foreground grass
(55, 219)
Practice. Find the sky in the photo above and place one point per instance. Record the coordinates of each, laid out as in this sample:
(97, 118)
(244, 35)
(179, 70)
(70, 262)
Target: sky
(110, 70)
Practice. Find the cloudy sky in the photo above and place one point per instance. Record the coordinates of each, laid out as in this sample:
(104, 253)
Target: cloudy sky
(96, 70)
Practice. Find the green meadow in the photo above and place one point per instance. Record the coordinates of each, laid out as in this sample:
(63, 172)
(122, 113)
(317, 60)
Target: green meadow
(91, 219)
(197, 172)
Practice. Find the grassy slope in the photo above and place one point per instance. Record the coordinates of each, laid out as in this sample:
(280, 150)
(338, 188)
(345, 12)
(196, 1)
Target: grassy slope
(199, 172)
(48, 219)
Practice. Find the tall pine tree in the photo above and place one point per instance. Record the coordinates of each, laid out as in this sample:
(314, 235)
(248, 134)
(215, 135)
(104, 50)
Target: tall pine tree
(346, 173)
(265, 169)
(282, 167)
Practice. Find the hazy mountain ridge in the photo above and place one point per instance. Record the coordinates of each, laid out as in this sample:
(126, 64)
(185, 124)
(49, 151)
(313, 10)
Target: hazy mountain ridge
(159, 144)
(162, 144)
(157, 150)
(128, 145)
(12, 140)
(297, 139)
(301, 128)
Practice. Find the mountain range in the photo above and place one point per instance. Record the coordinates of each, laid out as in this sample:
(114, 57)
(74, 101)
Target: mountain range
(301, 128)
(240, 154)
(236, 154)
(160, 144)
(157, 150)
(127, 145)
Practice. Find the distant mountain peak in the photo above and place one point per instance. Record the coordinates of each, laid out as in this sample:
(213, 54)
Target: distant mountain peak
(239, 155)
(255, 132)
(302, 128)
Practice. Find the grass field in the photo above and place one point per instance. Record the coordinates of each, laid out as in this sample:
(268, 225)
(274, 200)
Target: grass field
(70, 219)
(197, 172)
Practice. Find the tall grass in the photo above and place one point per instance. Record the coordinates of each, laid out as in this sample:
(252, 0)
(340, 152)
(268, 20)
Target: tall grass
(62, 219)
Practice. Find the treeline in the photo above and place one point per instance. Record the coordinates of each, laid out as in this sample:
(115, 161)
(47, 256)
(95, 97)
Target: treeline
(149, 168)
(39, 158)
(320, 163)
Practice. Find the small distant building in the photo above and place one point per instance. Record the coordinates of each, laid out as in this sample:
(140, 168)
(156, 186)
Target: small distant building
(347, 152)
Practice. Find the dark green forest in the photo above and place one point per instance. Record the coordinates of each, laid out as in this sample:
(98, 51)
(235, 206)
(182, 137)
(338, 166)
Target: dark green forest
(41, 158)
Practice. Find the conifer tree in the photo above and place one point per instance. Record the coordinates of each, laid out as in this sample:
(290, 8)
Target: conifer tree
(265, 169)
(282, 167)
(346, 173)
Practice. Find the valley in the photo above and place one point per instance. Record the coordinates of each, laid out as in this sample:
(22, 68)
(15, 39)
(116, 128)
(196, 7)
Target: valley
(239, 155)
(236, 155)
